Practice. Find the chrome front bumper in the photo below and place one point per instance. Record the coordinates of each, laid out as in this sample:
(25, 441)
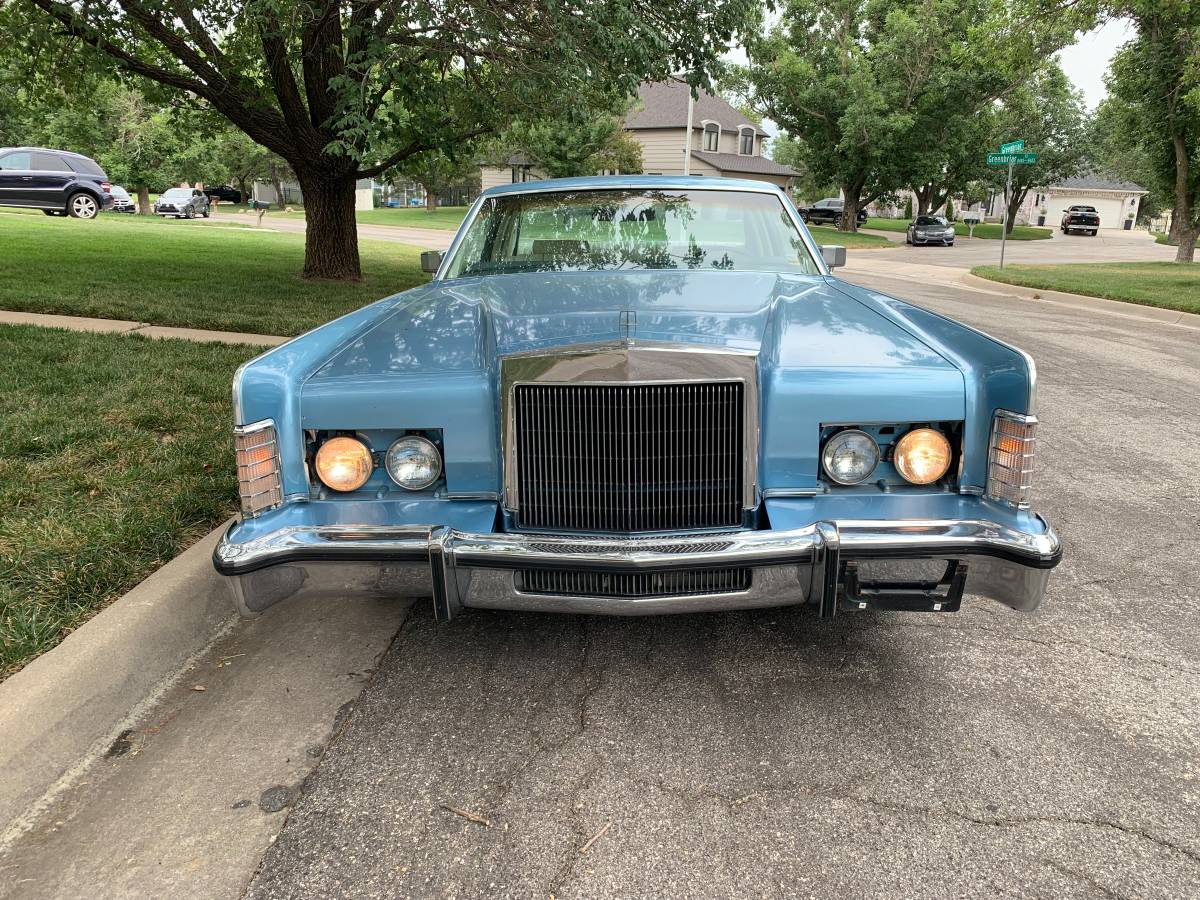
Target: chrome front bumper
(827, 564)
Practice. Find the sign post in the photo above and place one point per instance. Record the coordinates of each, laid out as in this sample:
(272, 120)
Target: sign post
(1011, 154)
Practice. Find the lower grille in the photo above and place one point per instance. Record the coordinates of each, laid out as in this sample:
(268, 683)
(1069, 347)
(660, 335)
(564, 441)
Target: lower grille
(630, 458)
(641, 584)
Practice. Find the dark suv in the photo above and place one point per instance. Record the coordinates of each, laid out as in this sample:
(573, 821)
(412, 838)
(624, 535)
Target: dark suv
(57, 182)
(828, 212)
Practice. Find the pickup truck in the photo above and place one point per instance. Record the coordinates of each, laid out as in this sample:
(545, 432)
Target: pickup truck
(828, 212)
(1080, 218)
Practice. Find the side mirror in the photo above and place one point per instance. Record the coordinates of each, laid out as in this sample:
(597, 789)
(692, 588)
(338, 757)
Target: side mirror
(431, 261)
(834, 256)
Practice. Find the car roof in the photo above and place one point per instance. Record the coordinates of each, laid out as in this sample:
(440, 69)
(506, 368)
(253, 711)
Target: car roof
(48, 150)
(608, 182)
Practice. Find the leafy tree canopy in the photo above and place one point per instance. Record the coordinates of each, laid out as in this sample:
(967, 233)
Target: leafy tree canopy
(869, 86)
(1151, 121)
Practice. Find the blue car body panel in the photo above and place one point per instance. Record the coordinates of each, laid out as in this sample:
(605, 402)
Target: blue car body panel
(428, 359)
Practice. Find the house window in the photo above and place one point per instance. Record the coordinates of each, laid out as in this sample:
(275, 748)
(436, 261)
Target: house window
(712, 136)
(746, 141)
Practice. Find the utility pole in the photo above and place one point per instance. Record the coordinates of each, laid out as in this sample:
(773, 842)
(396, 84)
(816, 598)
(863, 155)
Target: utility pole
(687, 138)
(1004, 212)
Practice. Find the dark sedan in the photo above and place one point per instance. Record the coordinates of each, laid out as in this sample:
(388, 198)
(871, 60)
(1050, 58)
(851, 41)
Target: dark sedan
(225, 193)
(930, 230)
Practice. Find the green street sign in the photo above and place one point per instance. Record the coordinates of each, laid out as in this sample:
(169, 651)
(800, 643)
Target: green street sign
(1012, 147)
(1019, 159)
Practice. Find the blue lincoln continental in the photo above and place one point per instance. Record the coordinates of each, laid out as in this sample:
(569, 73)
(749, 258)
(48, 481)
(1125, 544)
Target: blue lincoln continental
(638, 395)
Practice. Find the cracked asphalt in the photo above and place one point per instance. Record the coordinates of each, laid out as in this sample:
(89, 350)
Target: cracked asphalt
(1054, 754)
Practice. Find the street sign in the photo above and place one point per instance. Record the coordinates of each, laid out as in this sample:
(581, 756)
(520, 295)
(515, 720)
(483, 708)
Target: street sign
(1018, 159)
(1012, 147)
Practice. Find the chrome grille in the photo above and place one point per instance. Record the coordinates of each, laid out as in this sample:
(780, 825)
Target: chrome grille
(629, 457)
(687, 582)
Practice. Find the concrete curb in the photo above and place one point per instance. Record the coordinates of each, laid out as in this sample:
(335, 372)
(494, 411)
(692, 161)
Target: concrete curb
(67, 706)
(1082, 301)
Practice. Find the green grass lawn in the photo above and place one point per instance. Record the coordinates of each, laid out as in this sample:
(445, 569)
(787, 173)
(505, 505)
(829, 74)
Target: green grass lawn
(105, 474)
(1166, 284)
(827, 234)
(444, 218)
(174, 273)
(1164, 237)
(988, 231)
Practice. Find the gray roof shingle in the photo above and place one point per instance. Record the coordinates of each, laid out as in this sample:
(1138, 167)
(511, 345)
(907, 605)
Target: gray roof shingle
(750, 165)
(663, 104)
(1093, 182)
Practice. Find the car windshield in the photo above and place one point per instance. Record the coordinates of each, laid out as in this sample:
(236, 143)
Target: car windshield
(177, 193)
(631, 229)
(119, 191)
(931, 220)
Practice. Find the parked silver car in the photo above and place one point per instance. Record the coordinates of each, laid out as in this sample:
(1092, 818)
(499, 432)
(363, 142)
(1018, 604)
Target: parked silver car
(930, 230)
(182, 203)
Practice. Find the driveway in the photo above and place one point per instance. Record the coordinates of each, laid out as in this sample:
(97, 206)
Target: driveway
(771, 753)
(426, 238)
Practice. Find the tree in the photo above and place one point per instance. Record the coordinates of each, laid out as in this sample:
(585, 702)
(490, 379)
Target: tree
(864, 83)
(1154, 91)
(243, 162)
(577, 141)
(1048, 114)
(349, 90)
(787, 151)
(436, 171)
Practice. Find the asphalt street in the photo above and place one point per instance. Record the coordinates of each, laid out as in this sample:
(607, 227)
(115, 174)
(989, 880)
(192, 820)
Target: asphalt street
(770, 753)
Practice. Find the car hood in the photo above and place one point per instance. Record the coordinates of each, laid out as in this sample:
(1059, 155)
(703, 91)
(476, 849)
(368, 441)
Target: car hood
(791, 321)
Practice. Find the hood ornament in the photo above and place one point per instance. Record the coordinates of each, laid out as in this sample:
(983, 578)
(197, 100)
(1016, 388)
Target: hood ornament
(628, 323)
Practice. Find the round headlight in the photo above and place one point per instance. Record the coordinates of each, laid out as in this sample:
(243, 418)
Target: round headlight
(344, 463)
(922, 456)
(413, 462)
(850, 456)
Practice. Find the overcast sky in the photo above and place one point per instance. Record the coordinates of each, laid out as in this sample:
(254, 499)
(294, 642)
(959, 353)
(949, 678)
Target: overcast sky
(1086, 62)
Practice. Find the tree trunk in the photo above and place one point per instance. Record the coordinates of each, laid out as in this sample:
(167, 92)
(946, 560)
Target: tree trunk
(1014, 204)
(851, 194)
(430, 199)
(331, 235)
(923, 194)
(1183, 214)
(242, 186)
(143, 193)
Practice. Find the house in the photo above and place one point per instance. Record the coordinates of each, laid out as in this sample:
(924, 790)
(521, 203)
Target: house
(722, 142)
(1113, 199)
(1116, 201)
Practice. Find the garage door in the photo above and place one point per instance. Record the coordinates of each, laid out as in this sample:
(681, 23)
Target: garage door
(1109, 210)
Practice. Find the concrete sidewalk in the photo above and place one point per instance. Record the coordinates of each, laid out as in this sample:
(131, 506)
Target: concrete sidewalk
(425, 238)
(119, 326)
